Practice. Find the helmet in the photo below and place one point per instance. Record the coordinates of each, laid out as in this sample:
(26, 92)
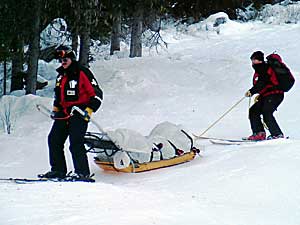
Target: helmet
(65, 52)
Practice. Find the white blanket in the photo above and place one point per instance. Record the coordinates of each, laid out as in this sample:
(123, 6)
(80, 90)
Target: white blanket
(140, 147)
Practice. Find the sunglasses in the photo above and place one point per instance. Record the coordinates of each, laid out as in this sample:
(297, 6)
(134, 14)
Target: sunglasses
(63, 60)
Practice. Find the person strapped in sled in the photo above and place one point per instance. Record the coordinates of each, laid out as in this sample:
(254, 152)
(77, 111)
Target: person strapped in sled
(270, 85)
(75, 86)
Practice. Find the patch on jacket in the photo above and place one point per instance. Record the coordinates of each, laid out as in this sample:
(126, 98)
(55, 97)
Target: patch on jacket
(71, 92)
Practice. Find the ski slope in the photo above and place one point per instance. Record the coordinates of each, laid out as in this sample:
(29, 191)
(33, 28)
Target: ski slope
(192, 83)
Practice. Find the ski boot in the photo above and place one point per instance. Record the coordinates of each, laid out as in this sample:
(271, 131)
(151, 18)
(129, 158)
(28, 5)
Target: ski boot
(53, 175)
(260, 136)
(80, 177)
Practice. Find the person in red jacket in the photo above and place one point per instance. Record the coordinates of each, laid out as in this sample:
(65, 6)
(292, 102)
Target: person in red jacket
(270, 97)
(75, 86)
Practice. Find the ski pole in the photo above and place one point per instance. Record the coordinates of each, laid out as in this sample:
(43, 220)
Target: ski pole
(44, 110)
(214, 123)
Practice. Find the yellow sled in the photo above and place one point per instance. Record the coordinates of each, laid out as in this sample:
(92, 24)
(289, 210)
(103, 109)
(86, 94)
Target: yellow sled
(141, 167)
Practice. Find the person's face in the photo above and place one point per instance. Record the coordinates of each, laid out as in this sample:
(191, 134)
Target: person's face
(65, 62)
(256, 61)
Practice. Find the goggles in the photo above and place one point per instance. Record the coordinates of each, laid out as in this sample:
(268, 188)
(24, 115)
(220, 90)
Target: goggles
(63, 53)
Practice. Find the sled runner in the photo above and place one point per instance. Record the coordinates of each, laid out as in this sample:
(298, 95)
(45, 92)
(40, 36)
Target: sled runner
(113, 158)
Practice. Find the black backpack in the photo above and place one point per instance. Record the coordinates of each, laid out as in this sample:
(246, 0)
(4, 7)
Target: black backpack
(284, 76)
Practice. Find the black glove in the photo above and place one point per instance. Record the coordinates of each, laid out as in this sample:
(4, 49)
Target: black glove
(58, 115)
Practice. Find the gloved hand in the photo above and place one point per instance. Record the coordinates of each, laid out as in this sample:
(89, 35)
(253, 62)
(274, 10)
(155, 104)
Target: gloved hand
(256, 99)
(55, 110)
(58, 115)
(87, 114)
(248, 94)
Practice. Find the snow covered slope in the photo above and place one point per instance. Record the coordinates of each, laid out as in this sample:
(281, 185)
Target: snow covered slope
(196, 80)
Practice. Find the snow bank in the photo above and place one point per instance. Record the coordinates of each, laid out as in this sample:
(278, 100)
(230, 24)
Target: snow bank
(283, 12)
(20, 114)
(280, 13)
(218, 23)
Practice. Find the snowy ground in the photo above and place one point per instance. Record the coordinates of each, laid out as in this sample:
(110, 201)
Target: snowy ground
(197, 79)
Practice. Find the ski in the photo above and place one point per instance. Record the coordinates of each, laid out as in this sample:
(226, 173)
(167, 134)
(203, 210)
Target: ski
(240, 142)
(230, 142)
(28, 180)
(219, 139)
(38, 180)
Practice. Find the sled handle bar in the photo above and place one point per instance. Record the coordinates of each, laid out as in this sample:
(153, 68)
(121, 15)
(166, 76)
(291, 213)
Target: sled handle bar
(82, 113)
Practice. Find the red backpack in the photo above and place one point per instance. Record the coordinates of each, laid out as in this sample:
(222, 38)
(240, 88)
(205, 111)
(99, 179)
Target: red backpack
(283, 74)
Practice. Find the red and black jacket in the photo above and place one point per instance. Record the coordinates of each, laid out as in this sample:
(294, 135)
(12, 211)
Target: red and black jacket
(76, 86)
(264, 81)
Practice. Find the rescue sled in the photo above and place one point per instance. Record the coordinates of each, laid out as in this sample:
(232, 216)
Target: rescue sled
(114, 158)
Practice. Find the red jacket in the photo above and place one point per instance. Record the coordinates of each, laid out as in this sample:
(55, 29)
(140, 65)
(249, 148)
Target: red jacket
(76, 86)
(265, 81)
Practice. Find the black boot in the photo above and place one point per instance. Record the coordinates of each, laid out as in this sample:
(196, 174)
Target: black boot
(53, 175)
(82, 178)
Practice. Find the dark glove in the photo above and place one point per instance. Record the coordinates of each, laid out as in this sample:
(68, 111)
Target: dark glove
(58, 115)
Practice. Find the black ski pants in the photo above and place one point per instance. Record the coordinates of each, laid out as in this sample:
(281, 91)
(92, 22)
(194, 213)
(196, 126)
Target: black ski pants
(265, 107)
(75, 127)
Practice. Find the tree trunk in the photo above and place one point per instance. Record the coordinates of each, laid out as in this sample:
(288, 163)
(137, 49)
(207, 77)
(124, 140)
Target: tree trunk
(17, 67)
(85, 41)
(136, 34)
(75, 40)
(115, 34)
(4, 76)
(34, 50)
